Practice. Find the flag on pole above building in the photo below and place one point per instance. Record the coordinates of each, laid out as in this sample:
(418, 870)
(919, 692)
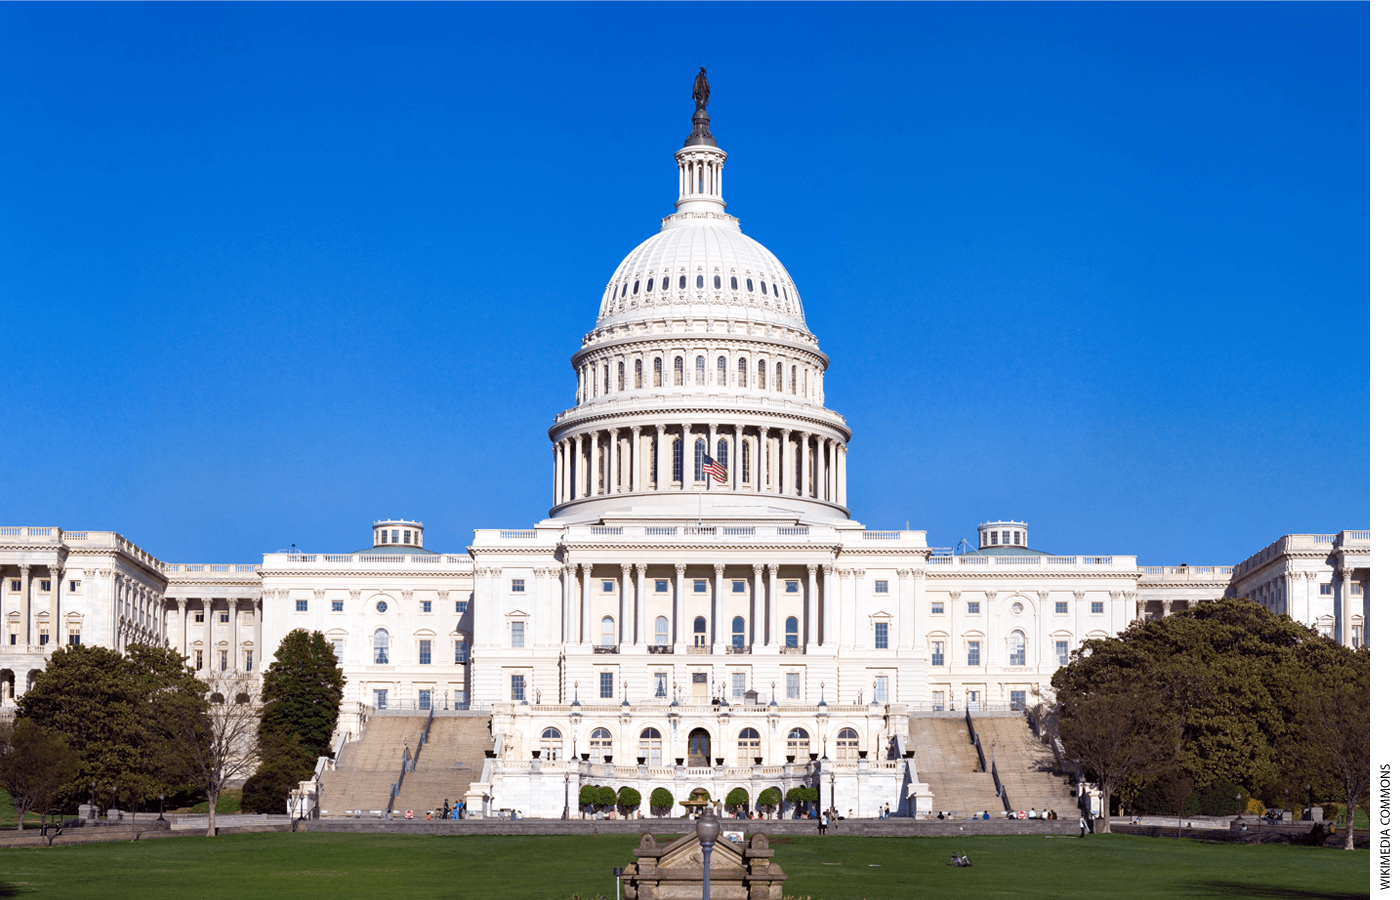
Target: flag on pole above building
(715, 470)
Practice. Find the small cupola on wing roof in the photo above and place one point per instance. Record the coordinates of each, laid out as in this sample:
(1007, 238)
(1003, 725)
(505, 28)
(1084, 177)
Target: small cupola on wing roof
(1002, 534)
(397, 534)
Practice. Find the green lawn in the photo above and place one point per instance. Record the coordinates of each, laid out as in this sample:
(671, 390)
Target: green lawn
(295, 866)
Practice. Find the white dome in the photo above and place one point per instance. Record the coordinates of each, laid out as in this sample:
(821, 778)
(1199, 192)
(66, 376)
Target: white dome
(742, 279)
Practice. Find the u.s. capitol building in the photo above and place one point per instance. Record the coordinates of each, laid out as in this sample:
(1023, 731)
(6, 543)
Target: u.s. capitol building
(698, 592)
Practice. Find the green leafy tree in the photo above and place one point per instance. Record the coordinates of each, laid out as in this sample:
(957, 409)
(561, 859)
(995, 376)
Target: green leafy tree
(736, 799)
(769, 799)
(302, 690)
(628, 799)
(606, 796)
(35, 765)
(661, 802)
(1330, 744)
(588, 798)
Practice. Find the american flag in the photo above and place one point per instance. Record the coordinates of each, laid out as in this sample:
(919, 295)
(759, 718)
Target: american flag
(715, 470)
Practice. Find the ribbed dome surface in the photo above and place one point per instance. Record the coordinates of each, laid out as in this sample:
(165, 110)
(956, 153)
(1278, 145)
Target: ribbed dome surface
(647, 285)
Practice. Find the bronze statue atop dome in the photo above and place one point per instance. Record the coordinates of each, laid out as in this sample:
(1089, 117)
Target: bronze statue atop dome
(700, 93)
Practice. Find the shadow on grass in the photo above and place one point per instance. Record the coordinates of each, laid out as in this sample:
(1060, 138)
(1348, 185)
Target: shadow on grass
(1246, 889)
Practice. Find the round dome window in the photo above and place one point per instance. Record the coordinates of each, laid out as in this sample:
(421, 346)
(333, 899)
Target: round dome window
(381, 606)
(1016, 609)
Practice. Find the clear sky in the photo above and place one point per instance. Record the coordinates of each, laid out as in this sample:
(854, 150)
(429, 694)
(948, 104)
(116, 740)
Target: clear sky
(268, 272)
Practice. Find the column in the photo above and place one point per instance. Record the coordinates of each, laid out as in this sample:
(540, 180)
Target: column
(860, 634)
(760, 438)
(687, 458)
(716, 604)
(55, 605)
(208, 634)
(841, 474)
(624, 617)
(755, 607)
(785, 460)
(801, 486)
(635, 452)
(714, 443)
(614, 463)
(556, 473)
(821, 492)
(571, 476)
(663, 462)
(770, 592)
(736, 454)
(676, 639)
(183, 647)
(570, 612)
(809, 607)
(590, 463)
(826, 631)
(639, 633)
(1344, 633)
(235, 648)
(587, 603)
(23, 639)
(257, 634)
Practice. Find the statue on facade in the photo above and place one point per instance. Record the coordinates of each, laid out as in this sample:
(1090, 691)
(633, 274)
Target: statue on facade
(701, 91)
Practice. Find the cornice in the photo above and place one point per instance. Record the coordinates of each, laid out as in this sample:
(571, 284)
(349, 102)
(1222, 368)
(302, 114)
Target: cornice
(725, 415)
(672, 339)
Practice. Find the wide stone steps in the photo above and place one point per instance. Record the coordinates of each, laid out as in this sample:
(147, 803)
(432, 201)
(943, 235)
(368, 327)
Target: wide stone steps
(1026, 765)
(947, 763)
(449, 762)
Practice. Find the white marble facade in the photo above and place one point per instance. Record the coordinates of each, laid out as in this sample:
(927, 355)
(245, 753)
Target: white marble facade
(658, 597)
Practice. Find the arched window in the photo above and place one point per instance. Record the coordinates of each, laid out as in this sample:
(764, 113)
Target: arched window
(750, 284)
(699, 458)
(799, 744)
(593, 373)
(381, 647)
(621, 376)
(745, 460)
(637, 373)
(609, 637)
(678, 378)
(551, 744)
(847, 744)
(600, 743)
(649, 282)
(682, 282)
(778, 377)
(1018, 649)
(743, 372)
(607, 381)
(663, 631)
(750, 747)
(700, 282)
(736, 632)
(762, 379)
(649, 747)
(804, 382)
(790, 632)
(216, 697)
(734, 283)
(721, 375)
(624, 289)
(700, 370)
(699, 629)
(763, 286)
(636, 286)
(656, 372)
(792, 380)
(677, 460)
(723, 454)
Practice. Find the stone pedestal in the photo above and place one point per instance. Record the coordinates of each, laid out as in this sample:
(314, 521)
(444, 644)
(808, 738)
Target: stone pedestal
(675, 871)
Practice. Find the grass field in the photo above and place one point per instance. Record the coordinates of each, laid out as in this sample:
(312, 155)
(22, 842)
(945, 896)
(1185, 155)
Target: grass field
(293, 866)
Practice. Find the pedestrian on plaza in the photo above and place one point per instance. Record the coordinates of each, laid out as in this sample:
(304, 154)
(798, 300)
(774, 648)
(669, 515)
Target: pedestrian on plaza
(1082, 826)
(821, 824)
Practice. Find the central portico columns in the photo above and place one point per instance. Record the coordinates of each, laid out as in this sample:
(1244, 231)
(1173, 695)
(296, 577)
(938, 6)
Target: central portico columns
(677, 639)
(574, 490)
(770, 593)
(571, 612)
(587, 636)
(827, 633)
(716, 607)
(687, 454)
(614, 463)
(624, 615)
(809, 606)
(635, 455)
(639, 626)
(785, 455)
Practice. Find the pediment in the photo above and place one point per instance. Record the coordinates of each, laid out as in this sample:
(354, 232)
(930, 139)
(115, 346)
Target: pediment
(686, 853)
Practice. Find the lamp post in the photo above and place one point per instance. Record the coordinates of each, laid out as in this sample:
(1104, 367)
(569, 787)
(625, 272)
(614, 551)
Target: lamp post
(162, 806)
(707, 829)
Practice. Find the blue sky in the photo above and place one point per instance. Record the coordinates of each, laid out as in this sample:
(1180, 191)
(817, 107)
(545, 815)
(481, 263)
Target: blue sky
(268, 272)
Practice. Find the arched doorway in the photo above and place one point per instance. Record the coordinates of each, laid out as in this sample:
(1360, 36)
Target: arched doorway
(698, 748)
(7, 687)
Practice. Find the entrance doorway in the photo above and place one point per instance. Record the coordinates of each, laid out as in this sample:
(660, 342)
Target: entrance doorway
(698, 750)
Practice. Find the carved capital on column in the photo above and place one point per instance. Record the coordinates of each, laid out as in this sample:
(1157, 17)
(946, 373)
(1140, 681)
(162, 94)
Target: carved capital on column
(627, 570)
(570, 569)
(318, 594)
(1079, 595)
(719, 576)
(1141, 608)
(991, 595)
(24, 571)
(954, 595)
(1130, 596)
(1310, 576)
(680, 575)
(641, 572)
(813, 568)
(554, 571)
(443, 595)
(1042, 595)
(904, 573)
(1295, 577)
(859, 573)
(1114, 595)
(354, 596)
(1347, 573)
(89, 574)
(587, 570)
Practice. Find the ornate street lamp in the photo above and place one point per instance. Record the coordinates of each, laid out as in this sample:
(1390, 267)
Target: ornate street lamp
(707, 829)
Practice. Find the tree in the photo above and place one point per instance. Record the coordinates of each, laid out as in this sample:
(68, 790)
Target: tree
(661, 802)
(35, 765)
(736, 799)
(302, 689)
(628, 799)
(606, 796)
(1331, 742)
(1113, 735)
(214, 744)
(587, 797)
(110, 708)
(769, 799)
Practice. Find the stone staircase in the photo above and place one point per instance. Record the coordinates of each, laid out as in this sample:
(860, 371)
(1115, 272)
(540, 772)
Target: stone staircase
(449, 762)
(367, 768)
(947, 763)
(1026, 765)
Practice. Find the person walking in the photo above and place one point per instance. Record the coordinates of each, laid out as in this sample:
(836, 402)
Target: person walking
(1082, 826)
(821, 825)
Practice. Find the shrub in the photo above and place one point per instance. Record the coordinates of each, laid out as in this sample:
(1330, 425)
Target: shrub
(1220, 800)
(661, 802)
(1254, 808)
(587, 797)
(1331, 811)
(629, 799)
(796, 795)
(736, 799)
(606, 796)
(769, 798)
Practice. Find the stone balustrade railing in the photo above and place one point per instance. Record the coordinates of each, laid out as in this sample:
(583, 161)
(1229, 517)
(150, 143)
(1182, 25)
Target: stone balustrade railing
(54, 537)
(415, 559)
(1307, 543)
(1021, 562)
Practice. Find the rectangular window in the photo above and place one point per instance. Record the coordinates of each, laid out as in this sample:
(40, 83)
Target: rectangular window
(337, 606)
(75, 639)
(199, 660)
(792, 587)
(700, 586)
(43, 638)
(223, 617)
(661, 585)
(381, 698)
(1325, 590)
(199, 617)
(517, 688)
(459, 699)
(517, 634)
(937, 653)
(14, 584)
(301, 605)
(738, 680)
(395, 536)
(738, 587)
(794, 685)
(605, 685)
(45, 585)
(1355, 589)
(974, 607)
(882, 688)
(974, 698)
(1356, 635)
(882, 635)
(882, 587)
(659, 684)
(937, 608)
(1061, 607)
(607, 586)
(1062, 652)
(994, 538)
(1018, 699)
(937, 700)
(425, 699)
(461, 606)
(459, 652)
(248, 660)
(974, 653)
(223, 660)
(425, 653)
(73, 585)
(427, 606)
(517, 585)
(1096, 607)
(338, 646)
